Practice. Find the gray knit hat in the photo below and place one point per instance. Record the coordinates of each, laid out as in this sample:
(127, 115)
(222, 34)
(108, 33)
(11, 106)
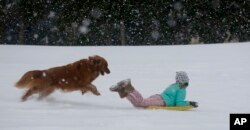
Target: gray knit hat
(181, 77)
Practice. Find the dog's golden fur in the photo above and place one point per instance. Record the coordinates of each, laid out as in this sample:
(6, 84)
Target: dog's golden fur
(72, 77)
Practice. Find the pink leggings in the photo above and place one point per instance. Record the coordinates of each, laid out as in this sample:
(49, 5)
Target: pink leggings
(138, 101)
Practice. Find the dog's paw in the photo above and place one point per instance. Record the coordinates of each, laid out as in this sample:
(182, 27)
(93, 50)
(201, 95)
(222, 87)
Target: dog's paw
(83, 92)
(97, 93)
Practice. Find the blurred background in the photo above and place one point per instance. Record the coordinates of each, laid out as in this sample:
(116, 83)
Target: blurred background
(123, 22)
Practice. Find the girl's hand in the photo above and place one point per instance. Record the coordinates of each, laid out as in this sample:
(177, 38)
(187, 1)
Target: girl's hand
(194, 104)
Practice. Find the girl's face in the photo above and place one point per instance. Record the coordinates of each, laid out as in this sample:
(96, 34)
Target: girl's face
(184, 85)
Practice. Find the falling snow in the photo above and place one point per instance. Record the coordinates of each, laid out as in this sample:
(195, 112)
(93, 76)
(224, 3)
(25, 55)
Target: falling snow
(83, 29)
(51, 14)
(44, 74)
(96, 13)
(155, 35)
(35, 36)
(99, 23)
(63, 80)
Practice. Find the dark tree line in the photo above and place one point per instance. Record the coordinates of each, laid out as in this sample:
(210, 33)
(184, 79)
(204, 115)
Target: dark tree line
(123, 22)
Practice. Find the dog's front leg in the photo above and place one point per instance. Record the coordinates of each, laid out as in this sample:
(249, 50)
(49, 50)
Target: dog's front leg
(84, 91)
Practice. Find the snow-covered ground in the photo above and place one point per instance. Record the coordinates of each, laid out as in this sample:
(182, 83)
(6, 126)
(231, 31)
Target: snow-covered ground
(219, 74)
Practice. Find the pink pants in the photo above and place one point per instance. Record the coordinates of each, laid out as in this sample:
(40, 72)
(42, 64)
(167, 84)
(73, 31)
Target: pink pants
(138, 101)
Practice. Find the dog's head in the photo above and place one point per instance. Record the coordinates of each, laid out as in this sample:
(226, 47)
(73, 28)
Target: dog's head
(98, 63)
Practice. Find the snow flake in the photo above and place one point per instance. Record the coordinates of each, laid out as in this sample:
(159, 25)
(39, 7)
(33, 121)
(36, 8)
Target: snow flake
(86, 22)
(52, 14)
(215, 4)
(63, 80)
(178, 6)
(53, 29)
(96, 13)
(74, 25)
(75, 78)
(171, 22)
(9, 37)
(8, 6)
(155, 34)
(35, 36)
(83, 29)
(34, 14)
(44, 74)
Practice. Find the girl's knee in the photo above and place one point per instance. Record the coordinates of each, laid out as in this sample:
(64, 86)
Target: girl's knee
(137, 104)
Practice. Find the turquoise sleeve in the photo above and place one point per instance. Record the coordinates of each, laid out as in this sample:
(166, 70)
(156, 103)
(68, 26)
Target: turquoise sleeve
(180, 98)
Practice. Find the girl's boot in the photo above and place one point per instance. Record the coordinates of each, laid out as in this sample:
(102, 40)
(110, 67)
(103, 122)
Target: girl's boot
(123, 88)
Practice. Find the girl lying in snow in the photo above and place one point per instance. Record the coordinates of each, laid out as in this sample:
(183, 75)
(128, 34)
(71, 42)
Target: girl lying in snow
(174, 95)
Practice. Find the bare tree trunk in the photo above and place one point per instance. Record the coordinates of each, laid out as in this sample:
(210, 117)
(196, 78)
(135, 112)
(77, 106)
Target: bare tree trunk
(2, 26)
(108, 31)
(74, 31)
(21, 34)
(1, 34)
(123, 34)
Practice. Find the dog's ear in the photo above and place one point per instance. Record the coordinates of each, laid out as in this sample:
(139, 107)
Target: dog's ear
(91, 60)
(94, 61)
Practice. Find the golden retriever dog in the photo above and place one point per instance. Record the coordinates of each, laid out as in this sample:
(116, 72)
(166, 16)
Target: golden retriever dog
(72, 77)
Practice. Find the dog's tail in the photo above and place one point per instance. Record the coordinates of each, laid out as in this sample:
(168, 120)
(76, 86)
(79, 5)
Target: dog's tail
(27, 78)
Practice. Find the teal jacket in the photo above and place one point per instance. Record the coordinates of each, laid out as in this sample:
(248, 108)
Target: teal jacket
(174, 96)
